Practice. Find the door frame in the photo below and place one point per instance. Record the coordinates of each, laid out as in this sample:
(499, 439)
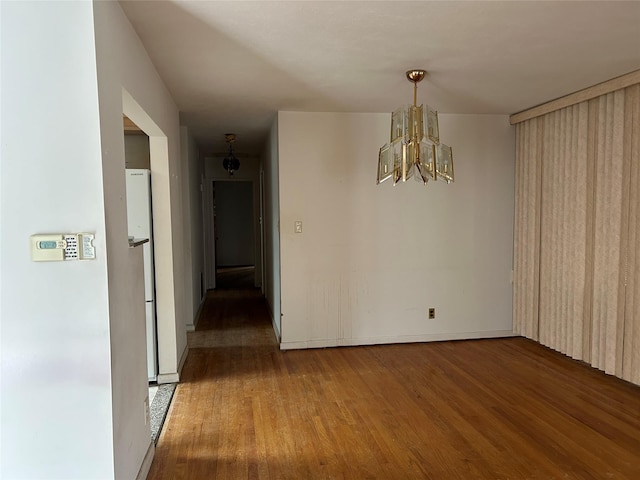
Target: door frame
(210, 234)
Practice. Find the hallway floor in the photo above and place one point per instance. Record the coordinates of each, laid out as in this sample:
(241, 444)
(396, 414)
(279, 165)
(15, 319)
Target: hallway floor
(234, 278)
(486, 409)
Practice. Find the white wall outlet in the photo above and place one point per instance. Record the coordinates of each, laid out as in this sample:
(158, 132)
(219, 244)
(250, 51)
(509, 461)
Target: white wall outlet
(298, 226)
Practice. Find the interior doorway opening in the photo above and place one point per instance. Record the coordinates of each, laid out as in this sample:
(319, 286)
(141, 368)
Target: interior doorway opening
(140, 227)
(235, 235)
(163, 242)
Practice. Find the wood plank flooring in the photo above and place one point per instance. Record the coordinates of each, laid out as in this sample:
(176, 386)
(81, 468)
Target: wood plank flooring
(487, 409)
(235, 278)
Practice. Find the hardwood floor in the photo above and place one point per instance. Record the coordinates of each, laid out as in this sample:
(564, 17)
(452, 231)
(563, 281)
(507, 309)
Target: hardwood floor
(487, 409)
(235, 278)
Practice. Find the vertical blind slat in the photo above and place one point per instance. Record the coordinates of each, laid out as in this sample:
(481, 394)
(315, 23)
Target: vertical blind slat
(580, 246)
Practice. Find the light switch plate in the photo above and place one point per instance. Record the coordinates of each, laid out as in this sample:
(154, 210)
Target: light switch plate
(298, 226)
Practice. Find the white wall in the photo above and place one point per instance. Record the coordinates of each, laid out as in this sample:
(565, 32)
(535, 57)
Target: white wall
(73, 348)
(272, 226)
(56, 392)
(373, 259)
(128, 83)
(193, 172)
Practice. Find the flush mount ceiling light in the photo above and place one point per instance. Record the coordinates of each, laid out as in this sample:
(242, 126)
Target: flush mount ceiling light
(415, 149)
(230, 162)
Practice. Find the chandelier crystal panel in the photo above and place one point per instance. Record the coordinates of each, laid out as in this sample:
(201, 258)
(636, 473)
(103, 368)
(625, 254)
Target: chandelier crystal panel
(414, 149)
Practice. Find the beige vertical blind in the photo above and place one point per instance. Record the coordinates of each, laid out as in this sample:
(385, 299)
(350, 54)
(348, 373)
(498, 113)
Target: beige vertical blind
(631, 337)
(527, 229)
(577, 233)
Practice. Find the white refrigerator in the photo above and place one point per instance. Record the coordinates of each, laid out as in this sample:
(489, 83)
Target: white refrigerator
(140, 224)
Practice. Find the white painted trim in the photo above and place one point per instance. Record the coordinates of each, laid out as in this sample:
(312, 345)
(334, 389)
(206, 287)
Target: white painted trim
(167, 378)
(273, 322)
(432, 337)
(146, 462)
(276, 331)
(174, 377)
(191, 327)
(163, 224)
(583, 95)
(209, 234)
(183, 359)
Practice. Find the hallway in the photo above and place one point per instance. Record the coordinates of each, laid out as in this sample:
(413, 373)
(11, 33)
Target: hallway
(504, 408)
(209, 431)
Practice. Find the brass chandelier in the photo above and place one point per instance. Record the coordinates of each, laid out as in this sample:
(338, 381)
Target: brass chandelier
(230, 162)
(414, 149)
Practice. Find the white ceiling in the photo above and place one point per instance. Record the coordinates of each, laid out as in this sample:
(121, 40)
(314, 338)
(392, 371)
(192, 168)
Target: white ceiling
(231, 65)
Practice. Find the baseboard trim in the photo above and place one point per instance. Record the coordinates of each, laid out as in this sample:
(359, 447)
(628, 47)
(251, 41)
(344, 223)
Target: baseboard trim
(167, 378)
(146, 462)
(183, 359)
(191, 327)
(431, 337)
(275, 329)
(174, 377)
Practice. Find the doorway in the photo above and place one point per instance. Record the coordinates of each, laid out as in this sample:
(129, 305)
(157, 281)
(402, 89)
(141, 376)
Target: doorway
(233, 224)
(140, 226)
